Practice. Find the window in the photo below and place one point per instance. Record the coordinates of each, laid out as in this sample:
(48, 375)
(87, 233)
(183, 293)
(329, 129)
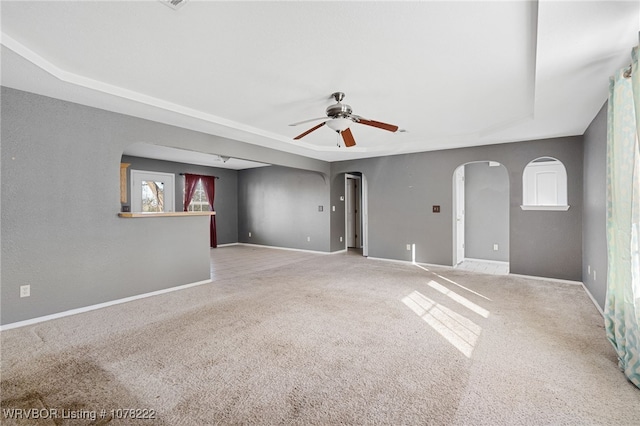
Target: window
(199, 201)
(152, 192)
(152, 196)
(544, 185)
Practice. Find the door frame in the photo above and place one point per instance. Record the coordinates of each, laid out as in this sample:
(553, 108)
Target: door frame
(353, 206)
(458, 214)
(363, 212)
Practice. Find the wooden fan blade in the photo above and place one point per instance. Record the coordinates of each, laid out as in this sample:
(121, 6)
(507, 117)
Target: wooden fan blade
(308, 121)
(379, 125)
(302, 135)
(347, 137)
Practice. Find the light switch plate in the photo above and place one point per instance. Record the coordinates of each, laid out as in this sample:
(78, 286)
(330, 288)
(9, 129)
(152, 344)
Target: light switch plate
(25, 290)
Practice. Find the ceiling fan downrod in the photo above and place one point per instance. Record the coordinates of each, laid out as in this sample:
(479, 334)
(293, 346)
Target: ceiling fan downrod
(338, 110)
(338, 96)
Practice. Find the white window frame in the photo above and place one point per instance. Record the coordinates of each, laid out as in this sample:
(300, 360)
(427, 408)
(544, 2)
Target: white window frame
(552, 170)
(139, 176)
(201, 204)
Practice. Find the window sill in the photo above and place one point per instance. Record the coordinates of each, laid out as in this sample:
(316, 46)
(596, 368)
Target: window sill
(549, 208)
(165, 214)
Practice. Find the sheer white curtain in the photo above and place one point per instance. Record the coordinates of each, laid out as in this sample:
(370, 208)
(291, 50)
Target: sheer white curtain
(622, 306)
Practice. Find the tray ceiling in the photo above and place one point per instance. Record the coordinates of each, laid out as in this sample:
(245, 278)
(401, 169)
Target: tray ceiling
(453, 74)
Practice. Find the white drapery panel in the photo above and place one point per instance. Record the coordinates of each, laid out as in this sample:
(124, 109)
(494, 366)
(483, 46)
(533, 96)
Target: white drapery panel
(622, 305)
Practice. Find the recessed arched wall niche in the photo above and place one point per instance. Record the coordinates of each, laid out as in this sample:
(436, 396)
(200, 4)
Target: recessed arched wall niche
(544, 185)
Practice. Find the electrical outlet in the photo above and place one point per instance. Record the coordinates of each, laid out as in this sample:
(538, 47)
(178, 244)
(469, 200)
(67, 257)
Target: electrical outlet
(594, 274)
(408, 247)
(588, 269)
(25, 290)
(308, 238)
(333, 208)
(340, 239)
(249, 234)
(495, 247)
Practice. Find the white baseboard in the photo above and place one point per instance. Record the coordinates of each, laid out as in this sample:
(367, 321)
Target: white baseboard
(593, 299)
(228, 244)
(282, 248)
(493, 262)
(98, 306)
(555, 280)
(409, 262)
(285, 248)
(434, 265)
(580, 283)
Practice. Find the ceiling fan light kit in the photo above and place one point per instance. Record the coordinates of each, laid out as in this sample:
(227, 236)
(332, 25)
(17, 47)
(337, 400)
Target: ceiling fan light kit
(339, 124)
(340, 119)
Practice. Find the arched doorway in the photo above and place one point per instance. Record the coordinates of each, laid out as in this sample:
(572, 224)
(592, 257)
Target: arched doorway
(481, 217)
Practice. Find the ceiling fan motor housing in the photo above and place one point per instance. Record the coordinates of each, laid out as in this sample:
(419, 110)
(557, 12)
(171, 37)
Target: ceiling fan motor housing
(339, 110)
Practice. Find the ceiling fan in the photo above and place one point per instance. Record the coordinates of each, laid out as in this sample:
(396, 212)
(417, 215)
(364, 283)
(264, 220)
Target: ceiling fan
(340, 118)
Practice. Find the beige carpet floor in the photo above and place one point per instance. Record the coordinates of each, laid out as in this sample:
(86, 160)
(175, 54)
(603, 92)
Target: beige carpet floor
(282, 337)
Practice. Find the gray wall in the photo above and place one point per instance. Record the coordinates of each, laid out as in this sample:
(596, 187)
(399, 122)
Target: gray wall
(60, 198)
(403, 188)
(594, 235)
(486, 211)
(60, 195)
(226, 197)
(279, 206)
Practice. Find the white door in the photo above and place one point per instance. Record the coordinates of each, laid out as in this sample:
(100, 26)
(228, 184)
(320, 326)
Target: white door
(152, 191)
(459, 199)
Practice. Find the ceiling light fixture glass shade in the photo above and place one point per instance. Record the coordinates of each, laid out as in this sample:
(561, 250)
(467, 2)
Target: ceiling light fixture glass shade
(339, 124)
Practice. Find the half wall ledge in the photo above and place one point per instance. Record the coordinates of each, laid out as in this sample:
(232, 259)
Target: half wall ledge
(550, 208)
(128, 215)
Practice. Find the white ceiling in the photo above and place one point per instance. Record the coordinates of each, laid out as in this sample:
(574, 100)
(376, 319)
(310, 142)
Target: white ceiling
(452, 74)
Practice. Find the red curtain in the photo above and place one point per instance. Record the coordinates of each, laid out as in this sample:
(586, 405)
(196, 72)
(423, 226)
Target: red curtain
(209, 184)
(190, 183)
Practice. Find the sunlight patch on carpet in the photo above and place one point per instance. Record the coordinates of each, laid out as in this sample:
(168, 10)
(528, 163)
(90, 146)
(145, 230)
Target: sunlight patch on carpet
(452, 282)
(458, 330)
(459, 299)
